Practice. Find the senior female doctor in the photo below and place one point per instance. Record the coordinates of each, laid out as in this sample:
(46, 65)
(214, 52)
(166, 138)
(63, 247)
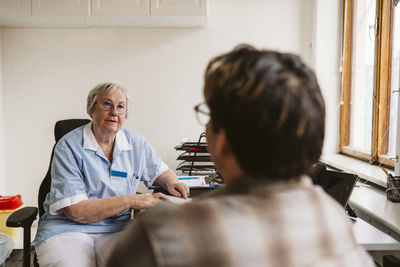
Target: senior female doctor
(95, 173)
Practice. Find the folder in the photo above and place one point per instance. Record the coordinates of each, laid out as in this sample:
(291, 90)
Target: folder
(192, 182)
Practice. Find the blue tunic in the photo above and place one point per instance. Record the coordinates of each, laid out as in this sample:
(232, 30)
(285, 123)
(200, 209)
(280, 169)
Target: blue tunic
(81, 171)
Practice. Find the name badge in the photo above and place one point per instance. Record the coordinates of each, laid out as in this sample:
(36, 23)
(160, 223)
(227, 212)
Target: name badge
(119, 174)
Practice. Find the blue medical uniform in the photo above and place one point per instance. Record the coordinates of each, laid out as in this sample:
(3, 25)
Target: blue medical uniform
(81, 171)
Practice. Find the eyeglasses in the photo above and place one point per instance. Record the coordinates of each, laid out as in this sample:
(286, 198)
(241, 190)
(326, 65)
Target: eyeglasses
(107, 105)
(202, 113)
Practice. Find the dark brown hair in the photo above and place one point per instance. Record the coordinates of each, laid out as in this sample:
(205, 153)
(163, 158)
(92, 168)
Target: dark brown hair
(272, 110)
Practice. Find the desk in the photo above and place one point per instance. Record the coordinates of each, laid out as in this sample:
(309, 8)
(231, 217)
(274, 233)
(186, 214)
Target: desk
(371, 205)
(372, 239)
(376, 242)
(194, 192)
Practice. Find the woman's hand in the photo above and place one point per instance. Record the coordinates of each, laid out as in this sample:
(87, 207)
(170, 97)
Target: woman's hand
(169, 181)
(143, 201)
(178, 189)
(95, 210)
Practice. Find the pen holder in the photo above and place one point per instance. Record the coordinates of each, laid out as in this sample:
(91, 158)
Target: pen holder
(393, 190)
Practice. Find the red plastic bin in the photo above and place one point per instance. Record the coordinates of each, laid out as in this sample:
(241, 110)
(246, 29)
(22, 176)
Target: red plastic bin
(8, 204)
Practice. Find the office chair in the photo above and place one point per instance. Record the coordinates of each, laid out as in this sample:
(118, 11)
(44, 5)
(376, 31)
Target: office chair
(24, 217)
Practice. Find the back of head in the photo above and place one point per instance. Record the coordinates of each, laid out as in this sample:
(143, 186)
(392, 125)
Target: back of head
(272, 110)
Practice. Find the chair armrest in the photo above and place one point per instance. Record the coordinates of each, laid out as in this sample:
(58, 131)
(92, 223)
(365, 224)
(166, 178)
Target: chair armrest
(23, 217)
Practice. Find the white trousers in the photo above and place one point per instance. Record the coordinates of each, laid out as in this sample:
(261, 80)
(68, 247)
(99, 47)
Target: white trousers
(74, 249)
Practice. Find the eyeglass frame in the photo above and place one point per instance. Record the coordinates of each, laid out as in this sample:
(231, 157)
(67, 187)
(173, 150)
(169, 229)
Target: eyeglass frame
(197, 109)
(112, 107)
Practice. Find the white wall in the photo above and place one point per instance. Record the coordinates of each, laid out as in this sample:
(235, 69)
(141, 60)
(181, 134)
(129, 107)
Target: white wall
(327, 58)
(48, 73)
(2, 165)
(308, 31)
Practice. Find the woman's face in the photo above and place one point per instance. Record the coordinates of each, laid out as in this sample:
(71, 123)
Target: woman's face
(109, 113)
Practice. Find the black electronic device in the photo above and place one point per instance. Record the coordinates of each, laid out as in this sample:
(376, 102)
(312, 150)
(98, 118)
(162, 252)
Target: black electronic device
(337, 184)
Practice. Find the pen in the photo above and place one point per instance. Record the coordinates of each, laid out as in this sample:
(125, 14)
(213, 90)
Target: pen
(389, 176)
(385, 171)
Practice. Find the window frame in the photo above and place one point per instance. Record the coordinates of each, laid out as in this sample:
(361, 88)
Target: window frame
(381, 87)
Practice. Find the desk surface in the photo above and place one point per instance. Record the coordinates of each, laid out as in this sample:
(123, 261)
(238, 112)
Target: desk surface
(372, 239)
(370, 204)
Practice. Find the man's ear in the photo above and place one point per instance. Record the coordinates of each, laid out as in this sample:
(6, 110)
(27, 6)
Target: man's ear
(222, 148)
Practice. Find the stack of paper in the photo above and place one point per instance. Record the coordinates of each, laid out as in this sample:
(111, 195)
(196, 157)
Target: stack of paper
(179, 200)
(194, 181)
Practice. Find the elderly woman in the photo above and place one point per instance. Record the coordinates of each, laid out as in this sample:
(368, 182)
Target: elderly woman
(96, 170)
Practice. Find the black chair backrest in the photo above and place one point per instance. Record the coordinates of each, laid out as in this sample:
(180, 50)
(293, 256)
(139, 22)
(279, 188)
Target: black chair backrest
(60, 129)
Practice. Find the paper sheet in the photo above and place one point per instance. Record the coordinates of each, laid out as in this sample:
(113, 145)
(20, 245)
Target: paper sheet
(178, 200)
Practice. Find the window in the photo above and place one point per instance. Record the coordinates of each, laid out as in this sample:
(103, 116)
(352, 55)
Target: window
(370, 80)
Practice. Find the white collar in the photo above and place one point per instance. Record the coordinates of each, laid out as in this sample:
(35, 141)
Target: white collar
(89, 141)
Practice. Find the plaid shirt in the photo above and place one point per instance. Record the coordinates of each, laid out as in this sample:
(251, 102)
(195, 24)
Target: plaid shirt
(247, 223)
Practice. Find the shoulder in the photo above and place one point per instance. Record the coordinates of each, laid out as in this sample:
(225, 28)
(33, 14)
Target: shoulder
(136, 140)
(184, 227)
(174, 216)
(132, 136)
(181, 219)
(326, 202)
(271, 219)
(286, 211)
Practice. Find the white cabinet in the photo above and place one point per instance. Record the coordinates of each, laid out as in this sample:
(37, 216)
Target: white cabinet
(103, 13)
(178, 7)
(53, 8)
(15, 7)
(120, 8)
